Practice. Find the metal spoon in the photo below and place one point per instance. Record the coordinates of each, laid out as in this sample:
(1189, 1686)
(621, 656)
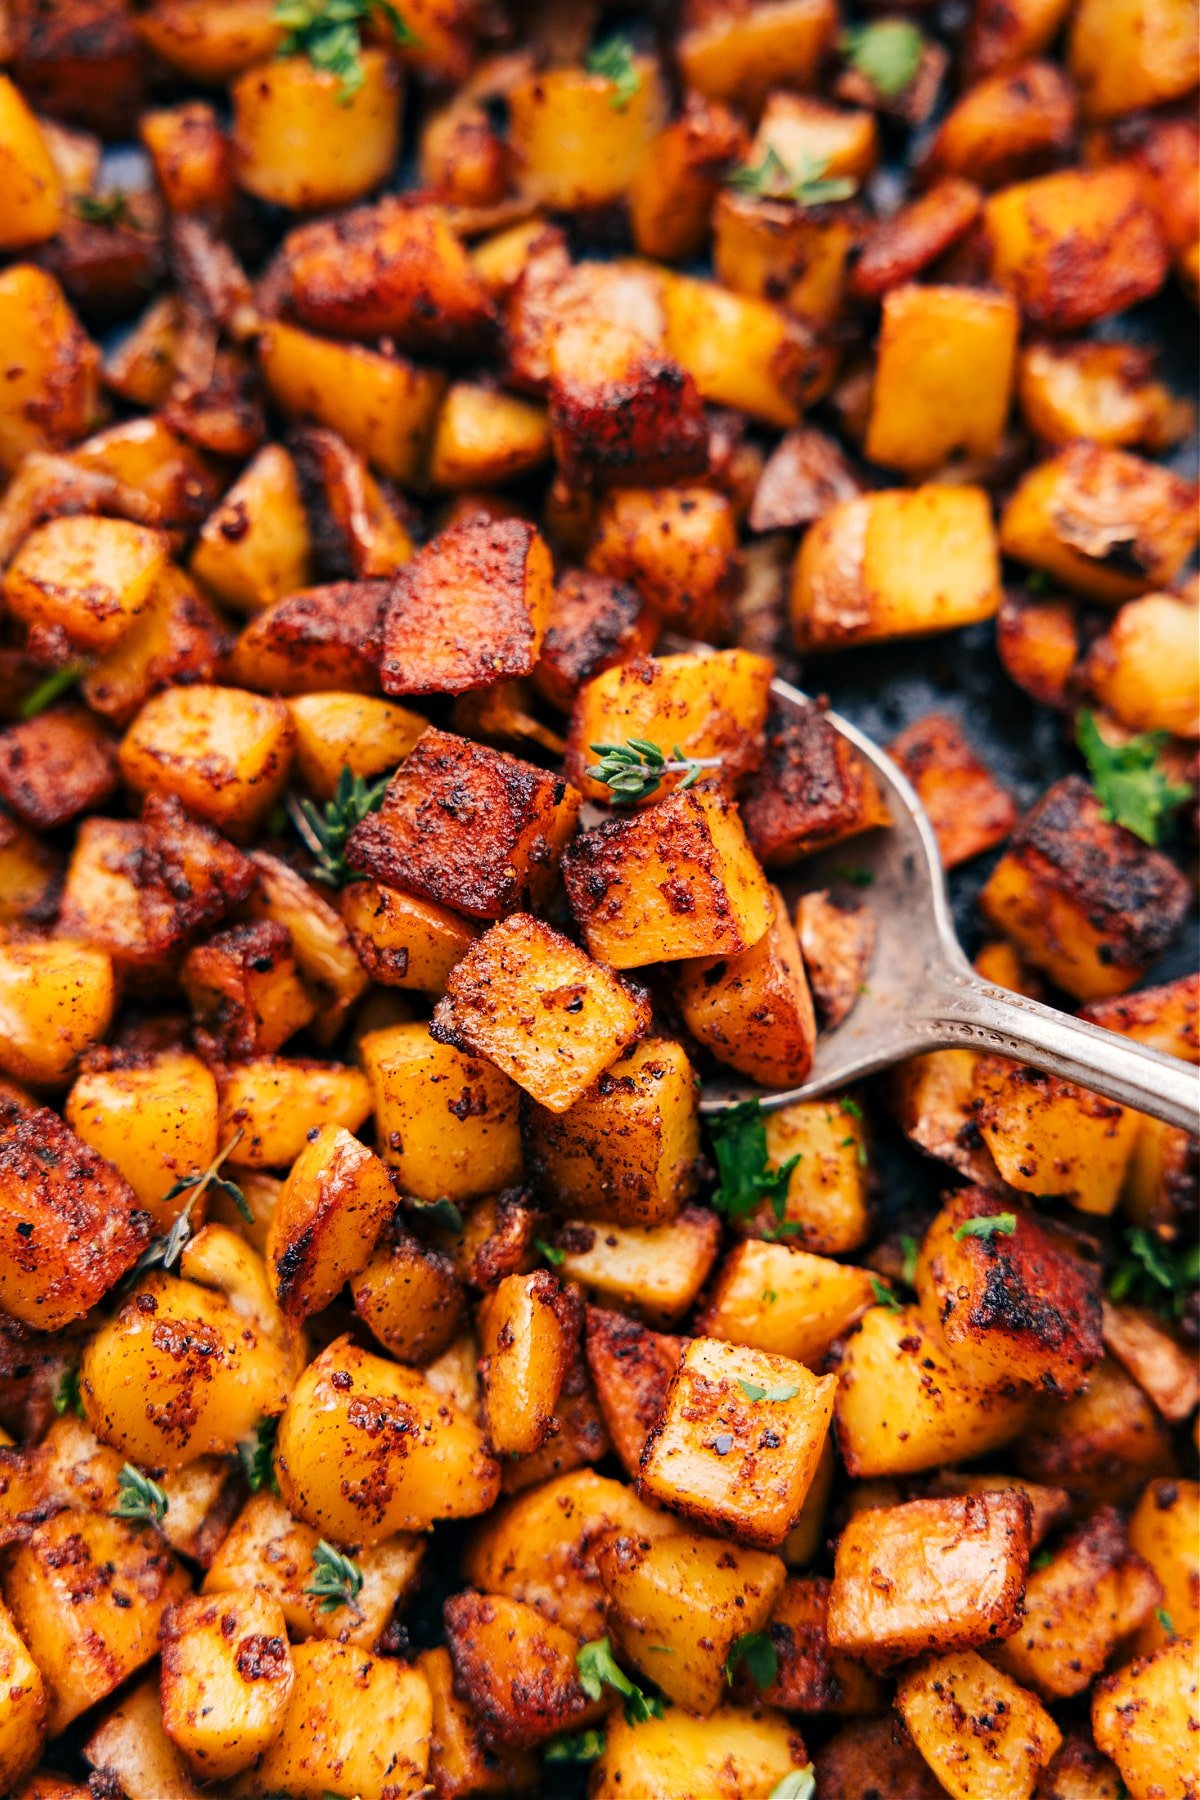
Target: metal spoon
(924, 995)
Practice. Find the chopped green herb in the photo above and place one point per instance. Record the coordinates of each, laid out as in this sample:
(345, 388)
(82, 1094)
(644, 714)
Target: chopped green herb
(785, 1391)
(884, 1295)
(576, 1747)
(634, 770)
(443, 1214)
(746, 1176)
(1152, 1274)
(851, 1108)
(66, 1394)
(1165, 1620)
(770, 1296)
(257, 1457)
(908, 1270)
(994, 1225)
(756, 1650)
(164, 1252)
(551, 1252)
(326, 829)
(801, 1784)
(598, 1670)
(139, 1499)
(887, 53)
(329, 33)
(337, 1579)
(805, 185)
(1133, 788)
(856, 876)
(613, 61)
(1037, 581)
(1041, 1559)
(51, 689)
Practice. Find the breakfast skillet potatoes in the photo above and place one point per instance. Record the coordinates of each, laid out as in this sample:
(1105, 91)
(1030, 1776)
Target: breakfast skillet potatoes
(421, 445)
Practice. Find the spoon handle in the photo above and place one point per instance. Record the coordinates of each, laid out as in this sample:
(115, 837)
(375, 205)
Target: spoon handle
(960, 1009)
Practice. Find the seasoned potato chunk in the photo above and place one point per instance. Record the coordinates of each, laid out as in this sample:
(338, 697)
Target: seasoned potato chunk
(620, 411)
(130, 1748)
(245, 991)
(1103, 392)
(56, 998)
(739, 1440)
(50, 396)
(529, 1327)
(1076, 246)
(319, 639)
(334, 1204)
(810, 1676)
(740, 56)
(336, 731)
(825, 1207)
(154, 1121)
(301, 140)
(811, 790)
(255, 548)
(775, 1298)
(870, 1757)
(726, 1756)
(944, 1574)
(1166, 1017)
(366, 1448)
(87, 1594)
(944, 376)
(484, 438)
(574, 144)
(1010, 124)
(1165, 1532)
(1047, 1136)
(461, 1763)
(1153, 1354)
(223, 752)
(410, 1297)
(1137, 53)
(1146, 1717)
(419, 1086)
(55, 766)
(23, 1721)
(275, 1102)
(515, 1668)
(226, 1678)
(741, 351)
(595, 624)
(1100, 1446)
(754, 1011)
(984, 1737)
(631, 1368)
(32, 207)
(678, 547)
(1142, 670)
(402, 941)
(89, 577)
(969, 811)
(656, 1270)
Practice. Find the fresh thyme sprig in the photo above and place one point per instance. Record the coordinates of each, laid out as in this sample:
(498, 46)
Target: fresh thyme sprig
(163, 1252)
(613, 61)
(139, 1499)
(1133, 788)
(52, 688)
(598, 1669)
(325, 829)
(634, 770)
(66, 1395)
(746, 1177)
(337, 1579)
(329, 33)
(887, 53)
(102, 209)
(257, 1457)
(804, 185)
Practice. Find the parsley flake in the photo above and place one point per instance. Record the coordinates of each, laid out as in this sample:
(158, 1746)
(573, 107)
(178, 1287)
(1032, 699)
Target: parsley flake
(598, 1670)
(551, 1252)
(786, 1390)
(67, 1398)
(884, 1295)
(257, 1457)
(613, 61)
(756, 1650)
(329, 33)
(1152, 1274)
(1165, 1620)
(804, 185)
(1133, 788)
(910, 1250)
(746, 1175)
(575, 1747)
(887, 54)
(994, 1225)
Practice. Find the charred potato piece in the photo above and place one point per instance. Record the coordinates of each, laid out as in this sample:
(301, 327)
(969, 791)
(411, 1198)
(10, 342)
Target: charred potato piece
(632, 1368)
(969, 811)
(753, 1011)
(595, 623)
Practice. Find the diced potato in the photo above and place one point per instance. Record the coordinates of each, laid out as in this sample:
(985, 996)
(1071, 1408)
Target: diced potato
(255, 547)
(323, 950)
(402, 941)
(88, 577)
(626, 1150)
(484, 438)
(679, 549)
(87, 1594)
(632, 1369)
(336, 731)
(869, 1756)
(496, 1239)
(969, 811)
(410, 1297)
(944, 376)
(30, 872)
(1165, 1532)
(943, 1574)
(672, 191)
(811, 790)
(1083, 899)
(1076, 246)
(933, 1099)
(384, 406)
(223, 752)
(1157, 1174)
(716, 1459)
(679, 880)
(529, 1326)
(775, 1298)
(245, 991)
(531, 1002)
(467, 827)
(155, 1122)
(862, 574)
(621, 411)
(741, 351)
(23, 1720)
(130, 1748)
(753, 1011)
(178, 636)
(1099, 391)
(1102, 1445)
(657, 1270)
(334, 1204)
(1013, 1306)
(1163, 1367)
(192, 157)
(906, 243)
(50, 398)
(730, 54)
(366, 1449)
(56, 765)
(418, 1087)
(582, 1438)
(811, 1677)
(1003, 33)
(903, 1406)
(321, 639)
(728, 1755)
(56, 998)
(461, 1763)
(984, 1737)
(31, 207)
(595, 624)
(226, 1678)
(1167, 1017)
(777, 251)
(1146, 1717)
(1142, 670)
(305, 140)
(174, 484)
(825, 1208)
(577, 144)
(515, 1669)
(362, 1721)
(690, 1599)
(275, 1102)
(351, 517)
(1133, 54)
(1009, 124)
(1048, 1136)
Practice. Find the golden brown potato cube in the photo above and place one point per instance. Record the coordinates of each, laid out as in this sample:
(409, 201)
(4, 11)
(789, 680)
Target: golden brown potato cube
(1106, 523)
(329, 968)
(1011, 124)
(730, 54)
(810, 1676)
(468, 827)
(366, 1448)
(321, 639)
(361, 1720)
(189, 875)
(982, 1735)
(470, 609)
(336, 731)
(70, 1225)
(672, 192)
(355, 527)
(223, 752)
(1039, 644)
(902, 246)
(1142, 670)
(581, 1440)
(730, 1754)
(742, 351)
(1091, 1593)
(246, 995)
(902, 1405)
(869, 1757)
(56, 765)
(774, 1298)
(679, 880)
(446, 1122)
(1146, 1717)
(484, 439)
(1081, 898)
(1014, 1303)
(276, 1101)
(1149, 1350)
(1002, 33)
(402, 941)
(944, 376)
(969, 811)
(1102, 1445)
(690, 1599)
(410, 1297)
(862, 575)
(50, 399)
(754, 1011)
(460, 1763)
(576, 142)
(496, 1239)
(529, 1326)
(255, 547)
(1165, 1532)
(88, 577)
(515, 1669)
(1047, 1136)
(192, 157)
(154, 1120)
(654, 1270)
(1137, 53)
(1166, 1017)
(811, 789)
(942, 1574)
(677, 546)
(1103, 392)
(620, 411)
(531, 1002)
(825, 1208)
(739, 1441)
(179, 636)
(707, 706)
(32, 206)
(383, 406)
(302, 141)
(130, 1749)
(775, 250)
(226, 1678)
(87, 1594)
(595, 624)
(1160, 1174)
(804, 476)
(56, 999)
(22, 1723)
(626, 1150)
(334, 1204)
(631, 1368)
(102, 900)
